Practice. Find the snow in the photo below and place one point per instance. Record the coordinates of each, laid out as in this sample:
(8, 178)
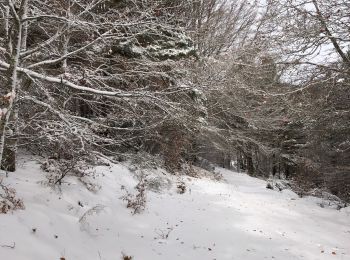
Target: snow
(237, 218)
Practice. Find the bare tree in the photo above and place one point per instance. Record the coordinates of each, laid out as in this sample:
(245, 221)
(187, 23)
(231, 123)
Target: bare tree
(220, 25)
(313, 33)
(86, 74)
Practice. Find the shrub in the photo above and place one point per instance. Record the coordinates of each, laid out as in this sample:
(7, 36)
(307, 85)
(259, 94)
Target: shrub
(58, 169)
(8, 199)
(137, 202)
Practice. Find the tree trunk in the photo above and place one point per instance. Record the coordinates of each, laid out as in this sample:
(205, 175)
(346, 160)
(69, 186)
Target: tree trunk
(15, 44)
(250, 165)
(274, 166)
(8, 162)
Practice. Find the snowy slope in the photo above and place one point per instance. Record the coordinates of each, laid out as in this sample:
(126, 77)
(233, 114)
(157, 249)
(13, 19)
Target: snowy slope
(233, 219)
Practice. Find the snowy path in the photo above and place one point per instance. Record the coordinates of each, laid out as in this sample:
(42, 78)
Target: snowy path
(237, 219)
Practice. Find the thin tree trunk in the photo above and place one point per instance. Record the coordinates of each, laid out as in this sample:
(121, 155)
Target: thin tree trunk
(24, 31)
(250, 165)
(330, 36)
(8, 143)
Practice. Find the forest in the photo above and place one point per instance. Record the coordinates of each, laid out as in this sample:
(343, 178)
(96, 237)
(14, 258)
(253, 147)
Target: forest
(260, 87)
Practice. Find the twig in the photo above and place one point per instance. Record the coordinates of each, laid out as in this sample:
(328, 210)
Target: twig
(9, 246)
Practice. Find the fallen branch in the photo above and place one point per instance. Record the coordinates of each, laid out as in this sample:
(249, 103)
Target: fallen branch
(9, 246)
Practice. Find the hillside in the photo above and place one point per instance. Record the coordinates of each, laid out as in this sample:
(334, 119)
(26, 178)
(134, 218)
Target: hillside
(234, 218)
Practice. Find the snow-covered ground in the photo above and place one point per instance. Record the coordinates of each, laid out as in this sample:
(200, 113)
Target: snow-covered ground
(237, 218)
